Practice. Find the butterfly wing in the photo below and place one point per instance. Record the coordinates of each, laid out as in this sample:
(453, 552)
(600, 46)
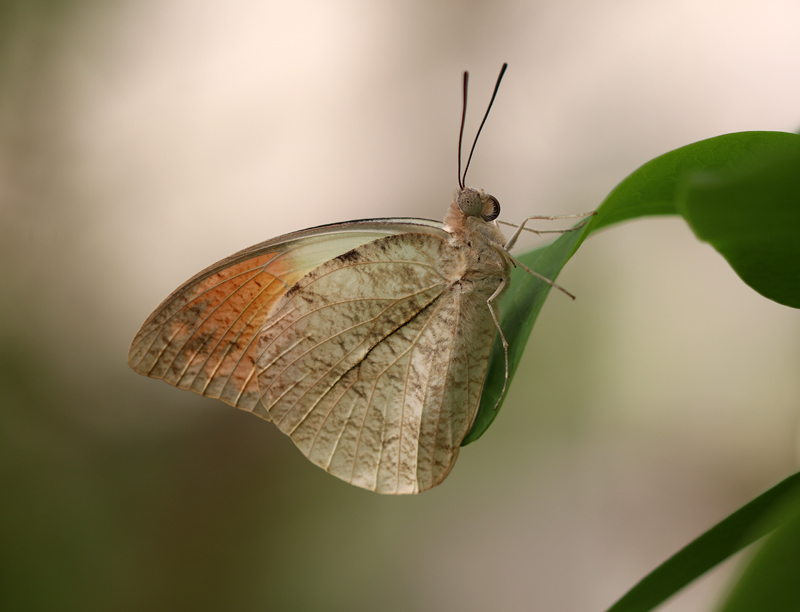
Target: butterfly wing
(374, 362)
(203, 336)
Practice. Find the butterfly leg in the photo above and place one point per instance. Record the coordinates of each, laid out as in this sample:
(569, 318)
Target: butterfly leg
(512, 241)
(489, 301)
(516, 262)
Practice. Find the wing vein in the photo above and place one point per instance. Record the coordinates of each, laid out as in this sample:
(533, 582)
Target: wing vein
(372, 320)
(179, 293)
(444, 391)
(341, 433)
(405, 393)
(234, 340)
(200, 325)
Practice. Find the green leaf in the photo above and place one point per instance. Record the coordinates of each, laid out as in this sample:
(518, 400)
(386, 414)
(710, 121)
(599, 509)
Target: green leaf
(653, 188)
(520, 307)
(772, 578)
(752, 218)
(656, 188)
(743, 527)
(741, 193)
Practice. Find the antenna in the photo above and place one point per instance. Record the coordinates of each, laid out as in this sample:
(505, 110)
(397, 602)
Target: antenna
(461, 131)
(462, 179)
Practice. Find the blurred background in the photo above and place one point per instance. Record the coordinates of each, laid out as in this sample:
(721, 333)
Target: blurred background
(142, 141)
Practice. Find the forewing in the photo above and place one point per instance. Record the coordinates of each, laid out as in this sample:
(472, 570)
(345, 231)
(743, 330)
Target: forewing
(366, 363)
(203, 336)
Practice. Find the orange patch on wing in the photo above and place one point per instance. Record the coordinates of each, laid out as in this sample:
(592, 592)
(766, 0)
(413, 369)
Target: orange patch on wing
(204, 340)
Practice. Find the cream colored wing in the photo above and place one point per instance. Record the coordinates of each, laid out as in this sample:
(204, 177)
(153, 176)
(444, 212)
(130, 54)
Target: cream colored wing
(374, 362)
(202, 337)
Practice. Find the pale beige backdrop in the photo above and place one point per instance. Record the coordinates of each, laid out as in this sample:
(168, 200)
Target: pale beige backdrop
(142, 141)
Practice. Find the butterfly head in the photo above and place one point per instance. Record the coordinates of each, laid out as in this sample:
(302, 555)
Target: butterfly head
(472, 203)
(477, 203)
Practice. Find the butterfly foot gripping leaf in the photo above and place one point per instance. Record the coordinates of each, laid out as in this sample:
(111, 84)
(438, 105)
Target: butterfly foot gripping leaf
(367, 342)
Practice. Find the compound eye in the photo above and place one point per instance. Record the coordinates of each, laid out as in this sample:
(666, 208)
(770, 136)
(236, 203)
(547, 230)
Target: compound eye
(491, 209)
(469, 201)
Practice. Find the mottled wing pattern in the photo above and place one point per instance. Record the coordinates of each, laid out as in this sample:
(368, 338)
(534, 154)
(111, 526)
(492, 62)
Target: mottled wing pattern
(371, 366)
(203, 336)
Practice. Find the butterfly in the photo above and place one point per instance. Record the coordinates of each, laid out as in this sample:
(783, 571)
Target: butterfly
(367, 342)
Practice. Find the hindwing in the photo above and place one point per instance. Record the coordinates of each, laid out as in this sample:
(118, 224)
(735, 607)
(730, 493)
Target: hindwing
(374, 362)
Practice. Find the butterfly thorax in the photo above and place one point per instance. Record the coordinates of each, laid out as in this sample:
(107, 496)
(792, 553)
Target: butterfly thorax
(469, 222)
